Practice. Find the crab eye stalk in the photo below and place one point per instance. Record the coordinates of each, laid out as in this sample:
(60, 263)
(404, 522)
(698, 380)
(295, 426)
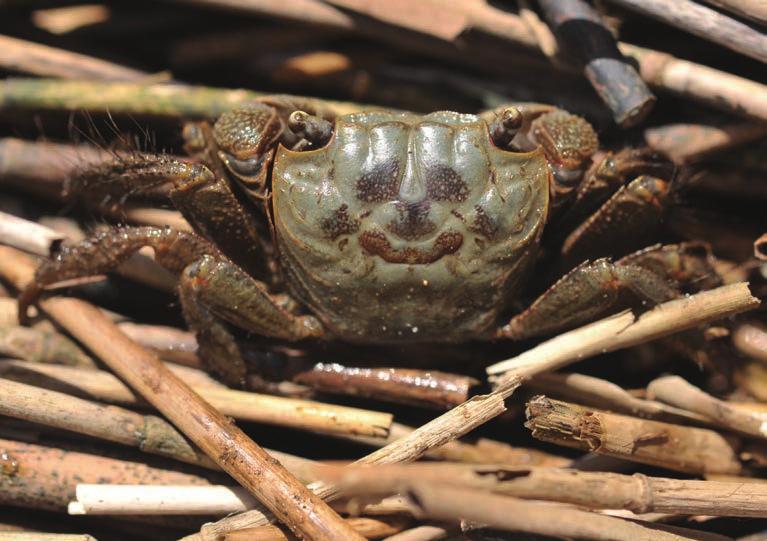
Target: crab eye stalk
(505, 127)
(317, 131)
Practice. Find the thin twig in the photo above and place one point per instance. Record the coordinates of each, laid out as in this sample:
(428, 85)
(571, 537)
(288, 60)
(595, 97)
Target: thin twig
(623, 330)
(676, 447)
(233, 451)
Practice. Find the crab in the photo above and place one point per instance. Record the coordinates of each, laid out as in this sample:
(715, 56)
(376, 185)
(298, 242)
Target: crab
(386, 227)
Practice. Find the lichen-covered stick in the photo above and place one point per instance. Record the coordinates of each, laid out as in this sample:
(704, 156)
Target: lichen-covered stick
(263, 476)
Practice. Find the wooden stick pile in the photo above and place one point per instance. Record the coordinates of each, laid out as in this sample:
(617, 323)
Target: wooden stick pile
(648, 423)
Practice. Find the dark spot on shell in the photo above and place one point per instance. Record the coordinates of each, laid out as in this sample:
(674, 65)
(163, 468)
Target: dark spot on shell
(379, 184)
(342, 244)
(443, 183)
(412, 221)
(340, 223)
(482, 224)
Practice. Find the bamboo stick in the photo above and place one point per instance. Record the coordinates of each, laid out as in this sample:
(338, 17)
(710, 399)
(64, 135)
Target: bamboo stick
(680, 393)
(638, 493)
(238, 455)
(246, 406)
(623, 330)
(149, 433)
(36, 59)
(41, 477)
(704, 22)
(680, 448)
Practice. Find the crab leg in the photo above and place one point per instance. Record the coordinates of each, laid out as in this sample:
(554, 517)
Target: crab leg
(211, 287)
(205, 199)
(653, 275)
(585, 293)
(625, 222)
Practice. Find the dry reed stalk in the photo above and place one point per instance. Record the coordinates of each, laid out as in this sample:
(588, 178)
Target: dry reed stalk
(440, 501)
(624, 330)
(41, 346)
(426, 532)
(263, 476)
(40, 477)
(446, 428)
(40, 536)
(751, 339)
(685, 143)
(593, 490)
(44, 241)
(161, 100)
(716, 88)
(246, 406)
(370, 528)
(149, 433)
(28, 236)
(704, 22)
(603, 394)
(760, 248)
(676, 447)
(36, 59)
(481, 451)
(682, 394)
(755, 10)
(405, 385)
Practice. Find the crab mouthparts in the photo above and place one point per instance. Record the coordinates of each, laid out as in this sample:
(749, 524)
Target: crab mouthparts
(376, 243)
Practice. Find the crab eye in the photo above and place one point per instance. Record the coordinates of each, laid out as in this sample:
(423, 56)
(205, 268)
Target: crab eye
(505, 126)
(317, 131)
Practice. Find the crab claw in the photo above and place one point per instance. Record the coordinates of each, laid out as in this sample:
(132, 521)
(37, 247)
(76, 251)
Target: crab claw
(316, 130)
(505, 126)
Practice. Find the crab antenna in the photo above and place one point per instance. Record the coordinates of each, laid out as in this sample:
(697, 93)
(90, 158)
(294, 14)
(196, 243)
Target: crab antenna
(505, 126)
(314, 129)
